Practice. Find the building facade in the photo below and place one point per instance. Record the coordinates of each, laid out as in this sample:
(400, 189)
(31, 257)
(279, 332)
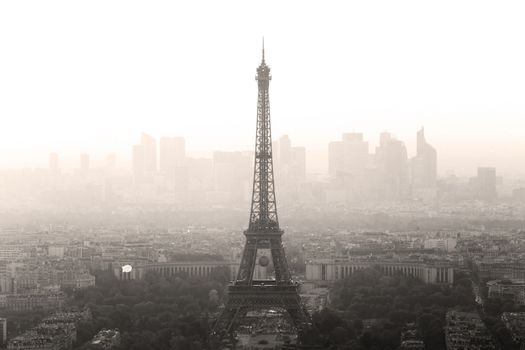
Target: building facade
(333, 269)
(167, 269)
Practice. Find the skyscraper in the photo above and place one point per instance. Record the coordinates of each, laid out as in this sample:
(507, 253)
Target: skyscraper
(149, 151)
(144, 158)
(392, 166)
(485, 183)
(284, 151)
(348, 160)
(172, 152)
(424, 164)
(290, 166)
(349, 156)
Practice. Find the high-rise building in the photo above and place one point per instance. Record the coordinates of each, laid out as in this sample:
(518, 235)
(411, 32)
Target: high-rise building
(348, 163)
(149, 151)
(392, 166)
(144, 158)
(485, 183)
(424, 169)
(84, 162)
(172, 153)
(53, 162)
(3, 332)
(348, 156)
(284, 154)
(290, 165)
(335, 158)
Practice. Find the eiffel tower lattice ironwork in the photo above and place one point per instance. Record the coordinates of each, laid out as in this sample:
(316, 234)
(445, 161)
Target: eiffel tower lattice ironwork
(247, 293)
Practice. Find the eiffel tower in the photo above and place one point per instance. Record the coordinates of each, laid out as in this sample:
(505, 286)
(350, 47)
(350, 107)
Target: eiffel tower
(263, 238)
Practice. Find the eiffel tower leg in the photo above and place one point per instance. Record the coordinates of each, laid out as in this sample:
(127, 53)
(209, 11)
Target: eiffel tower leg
(279, 260)
(228, 322)
(248, 260)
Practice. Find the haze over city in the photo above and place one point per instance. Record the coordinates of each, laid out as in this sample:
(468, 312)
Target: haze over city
(91, 77)
(262, 175)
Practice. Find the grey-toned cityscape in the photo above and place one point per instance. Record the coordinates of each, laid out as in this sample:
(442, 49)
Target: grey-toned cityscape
(367, 242)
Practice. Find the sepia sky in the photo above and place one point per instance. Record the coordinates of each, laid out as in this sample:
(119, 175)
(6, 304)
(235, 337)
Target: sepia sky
(89, 76)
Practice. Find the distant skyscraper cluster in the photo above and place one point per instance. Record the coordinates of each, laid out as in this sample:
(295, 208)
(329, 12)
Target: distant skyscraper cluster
(226, 178)
(162, 172)
(385, 174)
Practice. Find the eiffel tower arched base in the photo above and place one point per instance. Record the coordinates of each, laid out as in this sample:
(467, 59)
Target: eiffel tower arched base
(261, 295)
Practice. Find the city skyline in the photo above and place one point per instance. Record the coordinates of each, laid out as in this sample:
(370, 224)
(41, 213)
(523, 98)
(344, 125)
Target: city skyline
(150, 198)
(320, 158)
(374, 75)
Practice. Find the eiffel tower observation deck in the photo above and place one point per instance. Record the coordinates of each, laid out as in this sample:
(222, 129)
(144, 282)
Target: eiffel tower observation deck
(263, 247)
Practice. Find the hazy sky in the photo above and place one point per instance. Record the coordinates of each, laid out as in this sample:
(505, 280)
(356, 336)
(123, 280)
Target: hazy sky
(89, 76)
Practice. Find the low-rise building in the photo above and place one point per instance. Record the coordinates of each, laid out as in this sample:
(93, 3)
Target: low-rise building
(191, 268)
(56, 332)
(507, 290)
(500, 268)
(41, 300)
(332, 269)
(466, 331)
(3, 332)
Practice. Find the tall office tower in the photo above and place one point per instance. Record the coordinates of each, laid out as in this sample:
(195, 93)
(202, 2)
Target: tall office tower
(84, 162)
(284, 153)
(348, 156)
(3, 332)
(172, 153)
(111, 161)
(424, 169)
(149, 152)
(424, 164)
(290, 165)
(485, 183)
(348, 164)
(53, 163)
(335, 158)
(144, 159)
(392, 166)
(263, 245)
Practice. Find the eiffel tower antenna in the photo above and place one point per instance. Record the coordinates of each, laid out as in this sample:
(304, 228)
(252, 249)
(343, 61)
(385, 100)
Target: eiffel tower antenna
(263, 51)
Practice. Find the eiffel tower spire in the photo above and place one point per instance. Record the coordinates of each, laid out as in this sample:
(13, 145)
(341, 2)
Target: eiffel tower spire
(263, 214)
